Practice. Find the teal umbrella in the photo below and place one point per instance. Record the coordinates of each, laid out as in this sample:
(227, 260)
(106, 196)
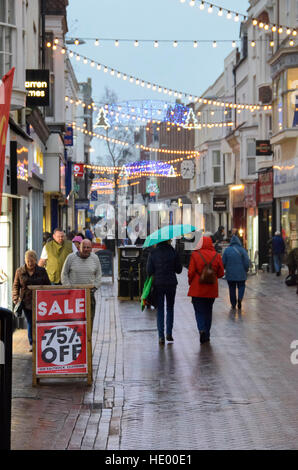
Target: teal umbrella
(167, 233)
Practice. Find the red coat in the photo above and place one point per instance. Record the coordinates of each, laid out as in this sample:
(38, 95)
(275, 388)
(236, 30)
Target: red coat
(196, 266)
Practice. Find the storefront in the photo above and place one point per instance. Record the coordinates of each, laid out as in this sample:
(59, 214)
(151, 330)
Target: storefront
(266, 212)
(238, 210)
(252, 223)
(286, 194)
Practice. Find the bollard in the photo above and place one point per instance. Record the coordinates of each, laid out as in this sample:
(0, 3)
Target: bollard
(6, 330)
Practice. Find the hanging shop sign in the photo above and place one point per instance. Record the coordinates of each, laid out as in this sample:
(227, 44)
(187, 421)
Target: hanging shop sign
(68, 137)
(250, 195)
(263, 147)
(37, 86)
(78, 170)
(220, 204)
(265, 186)
(61, 332)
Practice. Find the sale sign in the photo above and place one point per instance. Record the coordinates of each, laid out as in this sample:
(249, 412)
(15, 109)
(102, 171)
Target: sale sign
(61, 332)
(61, 348)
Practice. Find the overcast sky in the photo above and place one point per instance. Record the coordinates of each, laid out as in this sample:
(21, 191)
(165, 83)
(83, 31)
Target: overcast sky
(183, 68)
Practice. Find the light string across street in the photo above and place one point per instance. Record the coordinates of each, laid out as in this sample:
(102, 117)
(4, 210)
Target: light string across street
(158, 88)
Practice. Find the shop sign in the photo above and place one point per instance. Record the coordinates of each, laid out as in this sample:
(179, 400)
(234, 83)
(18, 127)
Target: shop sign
(152, 187)
(265, 184)
(263, 147)
(220, 204)
(250, 195)
(37, 166)
(37, 86)
(68, 137)
(60, 327)
(82, 204)
(286, 178)
(78, 170)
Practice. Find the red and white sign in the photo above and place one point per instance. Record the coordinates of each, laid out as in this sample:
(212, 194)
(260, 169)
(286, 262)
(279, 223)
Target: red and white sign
(61, 332)
(78, 170)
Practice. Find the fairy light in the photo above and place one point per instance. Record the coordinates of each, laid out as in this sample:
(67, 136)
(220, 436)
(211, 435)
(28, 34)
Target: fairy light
(175, 44)
(195, 44)
(234, 44)
(136, 43)
(253, 43)
(116, 43)
(220, 12)
(236, 18)
(77, 42)
(159, 88)
(229, 15)
(96, 42)
(210, 9)
(155, 44)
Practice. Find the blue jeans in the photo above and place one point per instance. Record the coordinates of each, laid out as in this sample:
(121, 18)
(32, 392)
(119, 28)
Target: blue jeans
(203, 311)
(167, 293)
(277, 259)
(28, 315)
(232, 289)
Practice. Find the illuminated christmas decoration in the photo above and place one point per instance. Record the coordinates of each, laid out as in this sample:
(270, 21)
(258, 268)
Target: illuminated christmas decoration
(102, 120)
(191, 120)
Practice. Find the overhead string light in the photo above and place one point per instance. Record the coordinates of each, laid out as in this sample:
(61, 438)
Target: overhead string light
(210, 7)
(169, 91)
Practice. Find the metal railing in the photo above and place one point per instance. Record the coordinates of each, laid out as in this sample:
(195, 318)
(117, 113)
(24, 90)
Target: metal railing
(6, 331)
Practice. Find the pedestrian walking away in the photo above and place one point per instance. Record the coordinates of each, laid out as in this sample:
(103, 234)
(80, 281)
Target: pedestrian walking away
(236, 263)
(205, 268)
(28, 275)
(83, 267)
(278, 249)
(54, 253)
(164, 263)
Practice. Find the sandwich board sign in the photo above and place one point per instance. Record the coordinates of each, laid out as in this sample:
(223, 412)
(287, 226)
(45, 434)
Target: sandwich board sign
(61, 332)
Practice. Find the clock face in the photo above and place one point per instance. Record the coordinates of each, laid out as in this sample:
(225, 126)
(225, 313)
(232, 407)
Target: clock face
(187, 169)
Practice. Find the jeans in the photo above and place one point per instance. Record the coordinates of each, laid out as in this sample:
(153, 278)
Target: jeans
(28, 315)
(232, 289)
(277, 259)
(203, 311)
(167, 293)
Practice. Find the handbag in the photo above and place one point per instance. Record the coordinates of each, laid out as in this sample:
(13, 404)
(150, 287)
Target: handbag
(18, 308)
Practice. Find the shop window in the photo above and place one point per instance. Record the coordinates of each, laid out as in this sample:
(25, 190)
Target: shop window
(292, 97)
(216, 166)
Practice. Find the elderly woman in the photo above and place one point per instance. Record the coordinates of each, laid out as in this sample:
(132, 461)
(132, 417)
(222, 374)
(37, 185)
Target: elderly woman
(28, 275)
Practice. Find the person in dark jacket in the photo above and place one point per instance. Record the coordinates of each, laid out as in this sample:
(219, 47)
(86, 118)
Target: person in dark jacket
(217, 238)
(236, 263)
(28, 275)
(164, 263)
(204, 295)
(278, 249)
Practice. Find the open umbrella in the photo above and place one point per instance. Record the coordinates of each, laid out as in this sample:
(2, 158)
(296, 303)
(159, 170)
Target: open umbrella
(167, 233)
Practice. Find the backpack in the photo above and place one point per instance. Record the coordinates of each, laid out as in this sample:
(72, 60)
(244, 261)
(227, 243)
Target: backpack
(208, 275)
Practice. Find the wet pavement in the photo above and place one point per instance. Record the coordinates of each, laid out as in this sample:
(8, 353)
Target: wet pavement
(238, 392)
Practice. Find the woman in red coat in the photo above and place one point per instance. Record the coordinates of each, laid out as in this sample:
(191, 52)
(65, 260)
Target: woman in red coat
(203, 295)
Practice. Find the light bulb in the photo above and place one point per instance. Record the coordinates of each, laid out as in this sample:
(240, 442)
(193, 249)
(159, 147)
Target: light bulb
(192, 3)
(210, 9)
(202, 6)
(280, 30)
(78, 57)
(96, 42)
(214, 44)
(271, 43)
(77, 42)
(195, 44)
(294, 33)
(229, 15)
(254, 22)
(289, 31)
(220, 12)
(155, 43)
(291, 43)
(116, 43)
(273, 29)
(266, 27)
(236, 18)
(136, 43)
(175, 44)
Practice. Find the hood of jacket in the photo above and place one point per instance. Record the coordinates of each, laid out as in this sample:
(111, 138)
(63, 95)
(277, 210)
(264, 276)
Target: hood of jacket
(235, 241)
(207, 244)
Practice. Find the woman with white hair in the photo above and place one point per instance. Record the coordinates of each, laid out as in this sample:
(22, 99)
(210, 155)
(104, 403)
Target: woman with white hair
(28, 275)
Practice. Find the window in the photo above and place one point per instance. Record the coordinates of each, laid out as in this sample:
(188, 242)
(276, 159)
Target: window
(251, 156)
(216, 166)
(7, 18)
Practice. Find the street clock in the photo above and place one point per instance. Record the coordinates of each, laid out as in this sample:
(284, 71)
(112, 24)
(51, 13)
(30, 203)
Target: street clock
(187, 169)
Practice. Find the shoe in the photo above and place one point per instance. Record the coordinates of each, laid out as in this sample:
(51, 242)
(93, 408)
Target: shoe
(161, 341)
(233, 307)
(203, 337)
(239, 304)
(170, 339)
(30, 349)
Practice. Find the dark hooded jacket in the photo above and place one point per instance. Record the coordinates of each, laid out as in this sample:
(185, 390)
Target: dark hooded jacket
(236, 261)
(163, 263)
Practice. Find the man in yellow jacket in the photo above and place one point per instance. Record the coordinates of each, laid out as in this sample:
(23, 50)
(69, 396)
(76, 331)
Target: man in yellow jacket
(54, 254)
